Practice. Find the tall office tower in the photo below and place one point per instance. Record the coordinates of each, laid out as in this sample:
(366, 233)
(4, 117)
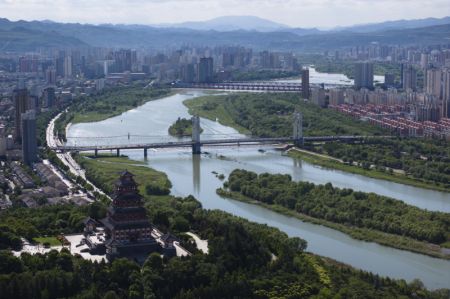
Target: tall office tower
(433, 82)
(205, 70)
(20, 95)
(409, 80)
(68, 67)
(29, 140)
(363, 75)
(305, 84)
(48, 97)
(50, 76)
(445, 111)
(265, 59)
(424, 60)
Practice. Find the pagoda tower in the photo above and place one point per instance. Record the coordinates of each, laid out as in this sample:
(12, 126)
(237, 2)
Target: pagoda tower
(127, 227)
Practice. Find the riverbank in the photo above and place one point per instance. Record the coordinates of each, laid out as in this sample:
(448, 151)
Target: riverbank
(395, 241)
(334, 163)
(113, 102)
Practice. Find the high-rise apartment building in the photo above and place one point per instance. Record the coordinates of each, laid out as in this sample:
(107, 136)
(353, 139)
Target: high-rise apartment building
(445, 109)
(433, 83)
(205, 70)
(305, 84)
(29, 140)
(68, 72)
(364, 75)
(20, 95)
(409, 78)
(336, 96)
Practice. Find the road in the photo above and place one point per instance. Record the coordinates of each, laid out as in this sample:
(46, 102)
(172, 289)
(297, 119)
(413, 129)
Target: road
(53, 141)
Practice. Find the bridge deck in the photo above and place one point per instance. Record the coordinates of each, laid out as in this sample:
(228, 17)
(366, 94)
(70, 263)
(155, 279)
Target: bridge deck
(205, 142)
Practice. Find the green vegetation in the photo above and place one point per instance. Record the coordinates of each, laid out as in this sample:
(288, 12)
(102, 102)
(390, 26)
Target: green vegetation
(262, 75)
(240, 263)
(113, 102)
(270, 115)
(103, 171)
(372, 214)
(361, 169)
(182, 127)
(424, 161)
(43, 221)
(51, 241)
(418, 162)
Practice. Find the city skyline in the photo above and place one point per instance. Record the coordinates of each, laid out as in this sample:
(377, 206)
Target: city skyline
(291, 13)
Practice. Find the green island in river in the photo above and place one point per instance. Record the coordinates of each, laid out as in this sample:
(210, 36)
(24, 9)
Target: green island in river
(182, 127)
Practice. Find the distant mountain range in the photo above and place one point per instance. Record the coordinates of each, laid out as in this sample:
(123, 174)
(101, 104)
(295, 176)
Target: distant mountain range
(231, 23)
(393, 25)
(28, 36)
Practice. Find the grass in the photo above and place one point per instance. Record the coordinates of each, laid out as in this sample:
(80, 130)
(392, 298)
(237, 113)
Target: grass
(53, 241)
(372, 173)
(364, 234)
(104, 171)
(197, 107)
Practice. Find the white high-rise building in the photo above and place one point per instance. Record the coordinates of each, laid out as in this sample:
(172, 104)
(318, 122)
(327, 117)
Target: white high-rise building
(445, 111)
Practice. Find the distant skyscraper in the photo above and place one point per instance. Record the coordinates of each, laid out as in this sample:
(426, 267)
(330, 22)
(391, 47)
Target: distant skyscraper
(205, 70)
(363, 75)
(188, 73)
(68, 67)
(424, 60)
(305, 84)
(48, 97)
(433, 82)
(409, 78)
(50, 76)
(29, 140)
(445, 111)
(20, 95)
(389, 79)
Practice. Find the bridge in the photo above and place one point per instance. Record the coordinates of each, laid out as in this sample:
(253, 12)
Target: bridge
(196, 142)
(245, 86)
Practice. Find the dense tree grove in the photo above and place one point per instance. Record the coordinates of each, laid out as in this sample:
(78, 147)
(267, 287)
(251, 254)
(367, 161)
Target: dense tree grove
(245, 260)
(428, 160)
(181, 127)
(367, 210)
(17, 223)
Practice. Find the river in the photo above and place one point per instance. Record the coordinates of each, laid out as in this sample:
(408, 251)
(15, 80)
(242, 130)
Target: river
(193, 175)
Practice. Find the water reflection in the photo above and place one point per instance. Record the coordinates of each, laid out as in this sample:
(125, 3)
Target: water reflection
(196, 173)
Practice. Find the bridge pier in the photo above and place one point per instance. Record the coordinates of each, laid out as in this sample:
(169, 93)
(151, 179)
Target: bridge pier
(118, 152)
(196, 145)
(96, 152)
(145, 152)
(298, 129)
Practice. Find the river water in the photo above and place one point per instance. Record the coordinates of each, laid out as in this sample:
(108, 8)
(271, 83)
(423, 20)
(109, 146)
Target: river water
(329, 80)
(193, 175)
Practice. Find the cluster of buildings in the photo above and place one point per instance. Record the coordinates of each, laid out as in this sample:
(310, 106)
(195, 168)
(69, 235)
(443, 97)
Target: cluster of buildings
(188, 64)
(415, 104)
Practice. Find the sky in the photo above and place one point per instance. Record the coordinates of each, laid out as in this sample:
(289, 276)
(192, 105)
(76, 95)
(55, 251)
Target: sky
(295, 13)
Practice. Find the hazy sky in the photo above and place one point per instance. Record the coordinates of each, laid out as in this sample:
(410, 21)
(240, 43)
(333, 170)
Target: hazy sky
(298, 13)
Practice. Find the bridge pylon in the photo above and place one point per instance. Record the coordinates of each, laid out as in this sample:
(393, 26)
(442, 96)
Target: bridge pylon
(196, 145)
(298, 129)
